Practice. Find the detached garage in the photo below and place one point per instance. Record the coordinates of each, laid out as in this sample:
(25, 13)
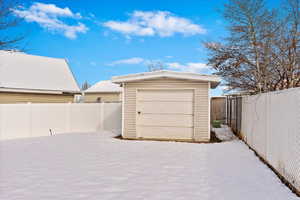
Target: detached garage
(166, 105)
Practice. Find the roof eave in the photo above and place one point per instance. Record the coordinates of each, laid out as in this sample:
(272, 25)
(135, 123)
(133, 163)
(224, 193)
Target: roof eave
(39, 91)
(119, 80)
(215, 80)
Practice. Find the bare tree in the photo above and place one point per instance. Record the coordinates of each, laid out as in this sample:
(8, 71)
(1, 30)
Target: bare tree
(155, 66)
(287, 45)
(7, 21)
(85, 86)
(261, 51)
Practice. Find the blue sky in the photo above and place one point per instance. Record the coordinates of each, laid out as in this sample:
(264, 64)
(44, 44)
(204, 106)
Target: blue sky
(101, 39)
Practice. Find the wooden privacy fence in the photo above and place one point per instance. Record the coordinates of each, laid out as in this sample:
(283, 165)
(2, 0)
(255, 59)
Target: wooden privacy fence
(218, 109)
(32, 120)
(234, 113)
(270, 124)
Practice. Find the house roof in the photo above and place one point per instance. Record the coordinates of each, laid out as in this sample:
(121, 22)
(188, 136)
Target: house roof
(213, 79)
(24, 72)
(104, 86)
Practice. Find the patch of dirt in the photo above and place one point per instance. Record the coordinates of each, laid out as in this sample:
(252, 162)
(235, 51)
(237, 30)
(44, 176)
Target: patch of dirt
(118, 137)
(213, 138)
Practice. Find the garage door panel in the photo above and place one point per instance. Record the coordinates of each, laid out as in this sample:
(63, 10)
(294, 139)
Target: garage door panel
(165, 108)
(165, 113)
(165, 120)
(165, 95)
(165, 132)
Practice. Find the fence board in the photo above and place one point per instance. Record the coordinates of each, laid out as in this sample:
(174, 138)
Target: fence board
(32, 120)
(218, 108)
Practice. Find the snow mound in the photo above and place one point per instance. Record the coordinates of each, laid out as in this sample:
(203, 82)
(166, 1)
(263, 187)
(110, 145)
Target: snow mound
(224, 133)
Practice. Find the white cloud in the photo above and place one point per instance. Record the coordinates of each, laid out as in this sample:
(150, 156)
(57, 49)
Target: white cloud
(52, 9)
(129, 61)
(49, 17)
(93, 63)
(188, 67)
(161, 23)
(193, 67)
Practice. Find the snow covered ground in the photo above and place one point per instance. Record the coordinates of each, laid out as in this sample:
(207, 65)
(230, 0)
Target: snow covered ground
(97, 166)
(224, 133)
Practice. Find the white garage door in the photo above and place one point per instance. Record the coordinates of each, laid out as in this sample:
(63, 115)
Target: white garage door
(165, 114)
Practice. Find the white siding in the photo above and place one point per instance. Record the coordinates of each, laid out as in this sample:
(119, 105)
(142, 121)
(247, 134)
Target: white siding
(11, 97)
(201, 103)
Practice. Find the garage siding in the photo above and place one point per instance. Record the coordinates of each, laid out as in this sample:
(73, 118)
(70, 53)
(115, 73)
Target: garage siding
(105, 97)
(201, 103)
(6, 98)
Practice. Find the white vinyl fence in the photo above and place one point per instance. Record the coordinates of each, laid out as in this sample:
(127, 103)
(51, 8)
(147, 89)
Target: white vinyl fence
(31, 120)
(271, 126)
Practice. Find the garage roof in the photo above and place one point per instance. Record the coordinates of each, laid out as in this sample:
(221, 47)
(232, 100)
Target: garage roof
(104, 86)
(24, 72)
(213, 79)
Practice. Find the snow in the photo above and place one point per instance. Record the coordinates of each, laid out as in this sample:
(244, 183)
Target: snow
(224, 133)
(97, 166)
(29, 72)
(104, 86)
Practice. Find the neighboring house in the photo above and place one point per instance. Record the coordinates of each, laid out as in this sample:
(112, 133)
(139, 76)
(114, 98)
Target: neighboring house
(103, 91)
(37, 79)
(166, 105)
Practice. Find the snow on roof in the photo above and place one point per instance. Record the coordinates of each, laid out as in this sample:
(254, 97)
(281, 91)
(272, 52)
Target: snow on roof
(104, 86)
(20, 71)
(213, 79)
